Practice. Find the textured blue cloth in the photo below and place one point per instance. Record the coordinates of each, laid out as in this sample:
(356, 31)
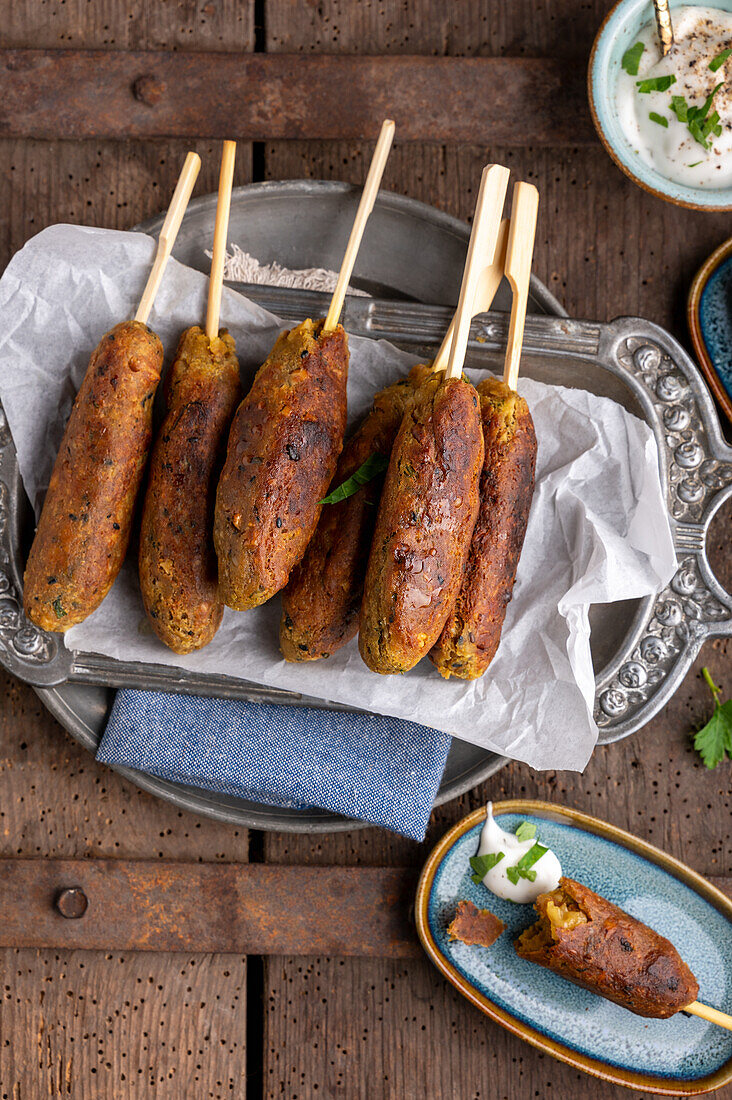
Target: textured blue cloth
(378, 769)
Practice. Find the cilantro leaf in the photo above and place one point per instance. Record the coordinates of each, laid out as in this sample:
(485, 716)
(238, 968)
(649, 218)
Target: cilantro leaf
(631, 59)
(719, 60)
(483, 864)
(526, 831)
(371, 468)
(654, 117)
(680, 108)
(713, 741)
(524, 865)
(655, 84)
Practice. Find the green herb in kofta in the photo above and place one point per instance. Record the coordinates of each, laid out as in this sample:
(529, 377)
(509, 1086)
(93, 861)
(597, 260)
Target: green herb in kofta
(367, 471)
(58, 607)
(713, 741)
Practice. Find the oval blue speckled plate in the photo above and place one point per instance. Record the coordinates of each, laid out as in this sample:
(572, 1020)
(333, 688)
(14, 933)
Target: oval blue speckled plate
(682, 1056)
(709, 313)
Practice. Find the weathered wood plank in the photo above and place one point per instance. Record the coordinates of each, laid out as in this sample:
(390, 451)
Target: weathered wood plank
(249, 908)
(122, 94)
(381, 1029)
(102, 1025)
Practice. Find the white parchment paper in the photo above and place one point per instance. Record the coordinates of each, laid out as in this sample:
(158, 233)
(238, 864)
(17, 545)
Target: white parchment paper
(598, 529)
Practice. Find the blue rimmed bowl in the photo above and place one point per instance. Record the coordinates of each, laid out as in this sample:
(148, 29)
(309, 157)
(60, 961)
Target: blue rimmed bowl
(616, 35)
(709, 313)
(681, 1056)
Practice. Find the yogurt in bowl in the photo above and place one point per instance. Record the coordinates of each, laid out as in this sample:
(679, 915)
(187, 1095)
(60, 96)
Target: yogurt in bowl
(667, 121)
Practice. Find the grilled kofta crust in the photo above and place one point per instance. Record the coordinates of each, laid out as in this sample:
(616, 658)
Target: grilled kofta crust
(282, 453)
(618, 957)
(177, 563)
(472, 633)
(321, 602)
(85, 525)
(424, 525)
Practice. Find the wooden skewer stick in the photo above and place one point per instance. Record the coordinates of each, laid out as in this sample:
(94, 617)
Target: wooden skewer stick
(366, 205)
(713, 1015)
(221, 228)
(488, 284)
(483, 239)
(168, 233)
(519, 253)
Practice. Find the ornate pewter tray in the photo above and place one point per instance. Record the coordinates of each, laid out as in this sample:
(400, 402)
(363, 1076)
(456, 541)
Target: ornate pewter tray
(641, 649)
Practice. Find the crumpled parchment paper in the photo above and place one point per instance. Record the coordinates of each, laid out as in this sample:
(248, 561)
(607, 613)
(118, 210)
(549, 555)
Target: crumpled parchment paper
(598, 529)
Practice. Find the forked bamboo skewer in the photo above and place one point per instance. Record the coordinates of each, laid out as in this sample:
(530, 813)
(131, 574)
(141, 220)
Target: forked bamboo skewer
(488, 284)
(221, 228)
(365, 206)
(712, 1015)
(168, 233)
(519, 253)
(483, 239)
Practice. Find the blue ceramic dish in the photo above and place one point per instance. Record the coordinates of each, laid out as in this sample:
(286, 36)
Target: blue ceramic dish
(680, 1056)
(617, 33)
(709, 311)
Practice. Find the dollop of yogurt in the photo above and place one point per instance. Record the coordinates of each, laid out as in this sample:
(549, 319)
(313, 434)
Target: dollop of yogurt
(494, 839)
(701, 34)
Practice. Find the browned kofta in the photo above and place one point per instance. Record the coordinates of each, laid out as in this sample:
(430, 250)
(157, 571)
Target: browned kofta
(282, 453)
(472, 633)
(591, 942)
(321, 602)
(425, 521)
(86, 521)
(177, 563)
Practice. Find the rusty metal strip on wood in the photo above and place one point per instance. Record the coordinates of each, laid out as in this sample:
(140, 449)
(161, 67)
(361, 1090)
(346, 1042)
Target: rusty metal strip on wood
(259, 97)
(252, 909)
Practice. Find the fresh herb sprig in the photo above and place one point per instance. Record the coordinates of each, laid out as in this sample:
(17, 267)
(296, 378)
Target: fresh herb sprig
(713, 741)
(700, 123)
(655, 83)
(483, 864)
(524, 867)
(631, 58)
(718, 61)
(367, 471)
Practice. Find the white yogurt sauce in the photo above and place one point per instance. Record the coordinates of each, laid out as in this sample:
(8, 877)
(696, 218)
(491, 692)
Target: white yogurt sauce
(494, 839)
(700, 34)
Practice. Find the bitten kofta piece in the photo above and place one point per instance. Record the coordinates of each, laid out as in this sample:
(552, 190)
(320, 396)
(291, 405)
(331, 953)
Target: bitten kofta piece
(177, 563)
(283, 447)
(471, 635)
(86, 522)
(425, 522)
(321, 602)
(475, 926)
(593, 943)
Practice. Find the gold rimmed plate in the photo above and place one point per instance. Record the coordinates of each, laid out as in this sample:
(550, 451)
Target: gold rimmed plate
(682, 1056)
(709, 313)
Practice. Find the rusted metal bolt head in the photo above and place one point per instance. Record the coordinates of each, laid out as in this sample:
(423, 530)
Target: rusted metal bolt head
(72, 902)
(148, 89)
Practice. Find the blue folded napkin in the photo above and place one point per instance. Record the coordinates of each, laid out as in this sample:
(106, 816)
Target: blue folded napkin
(367, 766)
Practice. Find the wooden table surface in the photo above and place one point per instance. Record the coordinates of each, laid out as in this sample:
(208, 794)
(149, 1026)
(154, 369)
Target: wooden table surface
(96, 1024)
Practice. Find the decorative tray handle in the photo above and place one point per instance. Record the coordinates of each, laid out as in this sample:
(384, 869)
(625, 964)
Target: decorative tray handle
(697, 467)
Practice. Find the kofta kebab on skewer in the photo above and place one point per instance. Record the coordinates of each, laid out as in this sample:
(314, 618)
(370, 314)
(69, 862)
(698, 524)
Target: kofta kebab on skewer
(472, 632)
(429, 503)
(589, 941)
(177, 563)
(85, 524)
(285, 440)
(322, 600)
